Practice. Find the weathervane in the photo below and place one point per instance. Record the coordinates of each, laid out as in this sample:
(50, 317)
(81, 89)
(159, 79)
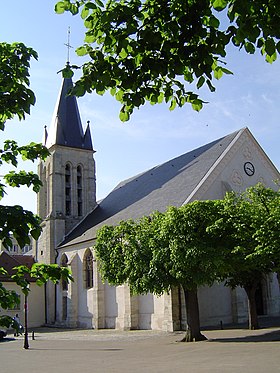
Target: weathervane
(68, 46)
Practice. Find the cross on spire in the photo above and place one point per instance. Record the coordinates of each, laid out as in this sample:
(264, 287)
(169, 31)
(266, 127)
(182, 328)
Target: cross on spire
(68, 46)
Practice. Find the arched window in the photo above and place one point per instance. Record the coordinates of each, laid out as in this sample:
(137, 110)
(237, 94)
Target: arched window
(80, 191)
(64, 262)
(67, 190)
(88, 269)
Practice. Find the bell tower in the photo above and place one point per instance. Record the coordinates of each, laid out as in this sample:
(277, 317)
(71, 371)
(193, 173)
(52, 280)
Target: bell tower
(68, 193)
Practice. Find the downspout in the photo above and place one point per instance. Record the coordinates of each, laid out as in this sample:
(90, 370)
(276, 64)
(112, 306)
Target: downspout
(55, 289)
(36, 251)
(46, 308)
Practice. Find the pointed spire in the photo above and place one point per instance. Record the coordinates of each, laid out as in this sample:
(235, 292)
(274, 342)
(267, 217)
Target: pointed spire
(87, 137)
(45, 135)
(66, 127)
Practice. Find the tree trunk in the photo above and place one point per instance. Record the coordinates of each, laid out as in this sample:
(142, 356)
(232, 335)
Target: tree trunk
(278, 277)
(252, 307)
(193, 324)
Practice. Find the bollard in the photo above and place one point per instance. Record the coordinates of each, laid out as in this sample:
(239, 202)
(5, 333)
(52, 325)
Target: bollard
(33, 335)
(221, 325)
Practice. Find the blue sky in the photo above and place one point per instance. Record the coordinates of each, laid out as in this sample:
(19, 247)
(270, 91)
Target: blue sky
(251, 97)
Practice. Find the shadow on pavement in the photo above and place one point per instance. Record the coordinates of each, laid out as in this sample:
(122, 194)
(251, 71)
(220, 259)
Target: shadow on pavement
(76, 349)
(273, 336)
(7, 339)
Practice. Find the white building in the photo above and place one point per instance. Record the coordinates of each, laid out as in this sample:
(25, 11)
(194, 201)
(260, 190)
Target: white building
(15, 249)
(36, 297)
(71, 217)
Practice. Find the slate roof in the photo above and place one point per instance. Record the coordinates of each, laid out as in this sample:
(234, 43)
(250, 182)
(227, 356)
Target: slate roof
(170, 183)
(9, 261)
(66, 127)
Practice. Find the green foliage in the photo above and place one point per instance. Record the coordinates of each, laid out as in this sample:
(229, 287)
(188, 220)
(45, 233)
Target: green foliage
(53, 272)
(236, 239)
(151, 50)
(266, 225)
(41, 273)
(197, 256)
(10, 153)
(8, 322)
(23, 276)
(8, 298)
(15, 101)
(246, 219)
(163, 250)
(15, 96)
(251, 222)
(20, 223)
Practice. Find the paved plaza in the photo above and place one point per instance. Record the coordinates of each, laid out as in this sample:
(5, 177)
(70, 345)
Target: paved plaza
(108, 351)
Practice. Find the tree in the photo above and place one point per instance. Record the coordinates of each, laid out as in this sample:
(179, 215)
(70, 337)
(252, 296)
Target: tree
(16, 99)
(251, 253)
(151, 50)
(165, 250)
(23, 276)
(267, 234)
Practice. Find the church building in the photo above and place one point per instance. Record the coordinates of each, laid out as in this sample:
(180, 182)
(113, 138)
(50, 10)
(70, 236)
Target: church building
(71, 217)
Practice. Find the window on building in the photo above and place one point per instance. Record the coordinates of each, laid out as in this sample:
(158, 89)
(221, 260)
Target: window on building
(64, 263)
(79, 191)
(67, 190)
(88, 269)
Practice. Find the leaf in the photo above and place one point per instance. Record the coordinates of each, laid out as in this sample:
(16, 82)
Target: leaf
(160, 98)
(214, 22)
(85, 12)
(60, 7)
(200, 82)
(67, 73)
(124, 116)
(173, 104)
(89, 38)
(218, 72)
(78, 90)
(249, 47)
(271, 59)
(197, 104)
(99, 2)
(219, 5)
(81, 51)
(226, 71)
(123, 53)
(119, 95)
(210, 86)
(269, 46)
(90, 5)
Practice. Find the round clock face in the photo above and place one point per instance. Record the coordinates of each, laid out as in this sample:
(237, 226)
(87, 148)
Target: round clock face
(249, 168)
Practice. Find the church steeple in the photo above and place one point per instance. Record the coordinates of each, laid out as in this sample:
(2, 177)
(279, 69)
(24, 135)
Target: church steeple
(66, 127)
(68, 192)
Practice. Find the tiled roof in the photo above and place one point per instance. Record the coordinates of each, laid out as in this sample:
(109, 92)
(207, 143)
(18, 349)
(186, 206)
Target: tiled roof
(66, 128)
(170, 183)
(8, 262)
